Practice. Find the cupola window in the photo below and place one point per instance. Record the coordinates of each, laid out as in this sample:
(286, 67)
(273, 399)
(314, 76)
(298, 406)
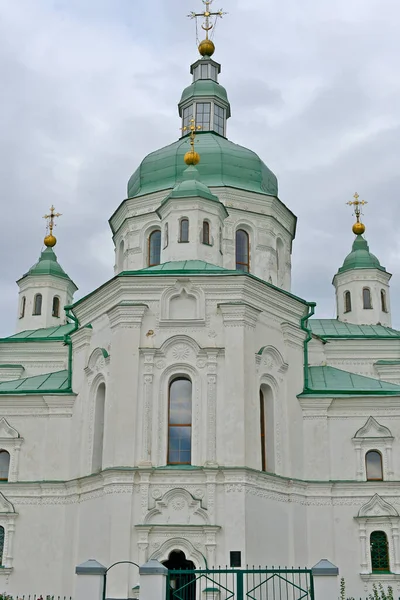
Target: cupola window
(184, 231)
(155, 248)
(367, 298)
(383, 301)
(206, 232)
(37, 305)
(56, 307)
(187, 117)
(242, 251)
(347, 302)
(219, 119)
(203, 115)
(23, 306)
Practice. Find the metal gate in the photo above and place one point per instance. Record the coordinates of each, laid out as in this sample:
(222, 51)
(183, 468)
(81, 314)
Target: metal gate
(235, 584)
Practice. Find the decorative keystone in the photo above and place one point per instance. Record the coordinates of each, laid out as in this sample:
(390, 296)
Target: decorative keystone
(90, 567)
(153, 567)
(325, 569)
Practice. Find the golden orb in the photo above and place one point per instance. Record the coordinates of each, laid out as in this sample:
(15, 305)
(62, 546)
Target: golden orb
(358, 228)
(50, 241)
(192, 158)
(207, 48)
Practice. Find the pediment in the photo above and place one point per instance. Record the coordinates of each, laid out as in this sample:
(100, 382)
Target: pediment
(373, 429)
(6, 431)
(377, 507)
(177, 507)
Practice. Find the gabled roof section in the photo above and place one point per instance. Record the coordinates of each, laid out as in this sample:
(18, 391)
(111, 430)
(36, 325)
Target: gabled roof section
(328, 381)
(50, 334)
(334, 329)
(50, 383)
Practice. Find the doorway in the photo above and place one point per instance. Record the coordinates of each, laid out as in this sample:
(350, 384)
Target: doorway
(185, 583)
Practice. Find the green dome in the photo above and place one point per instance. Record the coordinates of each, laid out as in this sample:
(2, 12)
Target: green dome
(222, 164)
(47, 265)
(360, 257)
(191, 187)
(205, 87)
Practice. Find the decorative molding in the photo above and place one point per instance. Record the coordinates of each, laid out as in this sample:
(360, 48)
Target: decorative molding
(373, 436)
(292, 335)
(372, 429)
(184, 290)
(127, 315)
(239, 315)
(377, 507)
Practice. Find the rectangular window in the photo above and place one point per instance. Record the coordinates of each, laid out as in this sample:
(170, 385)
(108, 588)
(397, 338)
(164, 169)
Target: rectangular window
(204, 71)
(187, 116)
(213, 73)
(203, 115)
(219, 119)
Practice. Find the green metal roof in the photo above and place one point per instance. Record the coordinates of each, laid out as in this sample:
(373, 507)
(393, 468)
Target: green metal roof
(332, 329)
(204, 87)
(51, 383)
(360, 257)
(191, 187)
(47, 265)
(330, 381)
(179, 266)
(222, 164)
(41, 335)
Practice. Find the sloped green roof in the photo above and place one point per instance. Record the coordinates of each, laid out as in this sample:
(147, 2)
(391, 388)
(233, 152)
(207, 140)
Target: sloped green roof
(51, 383)
(205, 87)
(191, 187)
(360, 257)
(41, 335)
(179, 266)
(47, 265)
(222, 164)
(332, 328)
(331, 381)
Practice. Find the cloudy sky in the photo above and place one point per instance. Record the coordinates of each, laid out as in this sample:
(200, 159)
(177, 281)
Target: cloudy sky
(89, 87)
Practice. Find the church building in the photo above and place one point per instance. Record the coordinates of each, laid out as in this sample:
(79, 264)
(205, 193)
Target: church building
(192, 408)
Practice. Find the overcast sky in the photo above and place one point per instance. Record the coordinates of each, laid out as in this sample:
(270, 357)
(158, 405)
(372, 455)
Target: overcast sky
(89, 87)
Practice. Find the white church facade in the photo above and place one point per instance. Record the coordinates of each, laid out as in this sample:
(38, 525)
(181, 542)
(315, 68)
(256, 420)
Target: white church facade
(192, 403)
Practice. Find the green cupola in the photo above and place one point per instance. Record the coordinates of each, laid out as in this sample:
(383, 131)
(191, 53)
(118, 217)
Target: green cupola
(47, 265)
(360, 257)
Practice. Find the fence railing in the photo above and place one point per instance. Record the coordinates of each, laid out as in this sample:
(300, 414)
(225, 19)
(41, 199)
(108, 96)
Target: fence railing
(240, 584)
(6, 596)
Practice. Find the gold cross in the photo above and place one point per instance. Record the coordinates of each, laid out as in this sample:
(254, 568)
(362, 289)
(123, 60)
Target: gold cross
(207, 26)
(51, 218)
(193, 128)
(358, 204)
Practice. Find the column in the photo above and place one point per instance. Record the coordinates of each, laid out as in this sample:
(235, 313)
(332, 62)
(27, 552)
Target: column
(326, 580)
(153, 581)
(364, 556)
(123, 386)
(89, 581)
(147, 409)
(211, 451)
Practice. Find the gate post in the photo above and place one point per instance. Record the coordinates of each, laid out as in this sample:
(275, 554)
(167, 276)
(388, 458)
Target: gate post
(153, 581)
(90, 581)
(326, 580)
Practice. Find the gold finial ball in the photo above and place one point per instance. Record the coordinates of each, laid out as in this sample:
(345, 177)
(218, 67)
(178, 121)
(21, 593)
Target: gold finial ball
(192, 158)
(207, 48)
(358, 228)
(50, 241)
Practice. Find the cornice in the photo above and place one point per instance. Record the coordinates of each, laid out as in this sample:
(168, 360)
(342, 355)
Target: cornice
(235, 314)
(127, 315)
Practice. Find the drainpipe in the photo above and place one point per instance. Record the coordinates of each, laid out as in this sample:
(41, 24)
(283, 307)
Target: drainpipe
(304, 326)
(68, 341)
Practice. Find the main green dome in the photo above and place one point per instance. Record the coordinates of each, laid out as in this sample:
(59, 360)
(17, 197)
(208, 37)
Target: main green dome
(222, 164)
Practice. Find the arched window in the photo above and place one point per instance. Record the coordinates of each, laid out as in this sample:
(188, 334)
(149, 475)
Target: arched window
(4, 465)
(242, 251)
(98, 434)
(56, 306)
(166, 235)
(206, 232)
(220, 240)
(37, 305)
(23, 306)
(383, 301)
(2, 537)
(379, 552)
(347, 302)
(180, 422)
(184, 230)
(367, 298)
(121, 256)
(267, 429)
(373, 465)
(155, 248)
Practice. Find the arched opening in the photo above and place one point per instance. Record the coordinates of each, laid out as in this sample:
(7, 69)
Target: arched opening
(181, 585)
(56, 307)
(280, 260)
(367, 298)
(98, 433)
(4, 465)
(184, 230)
(180, 422)
(154, 248)
(23, 307)
(206, 232)
(347, 302)
(383, 301)
(121, 256)
(2, 539)
(166, 235)
(242, 251)
(37, 305)
(220, 241)
(373, 466)
(267, 429)
(379, 552)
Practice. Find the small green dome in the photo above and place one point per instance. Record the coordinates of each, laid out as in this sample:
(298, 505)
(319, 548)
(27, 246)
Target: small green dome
(205, 88)
(360, 257)
(191, 187)
(222, 164)
(47, 265)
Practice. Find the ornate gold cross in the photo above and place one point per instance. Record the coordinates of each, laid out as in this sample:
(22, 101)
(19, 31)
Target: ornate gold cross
(51, 218)
(207, 14)
(358, 204)
(193, 128)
